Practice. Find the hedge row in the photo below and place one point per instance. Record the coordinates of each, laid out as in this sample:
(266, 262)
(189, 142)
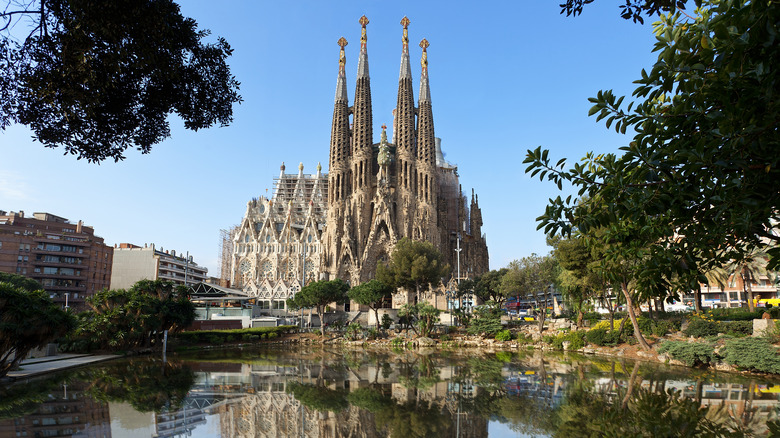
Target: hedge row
(217, 337)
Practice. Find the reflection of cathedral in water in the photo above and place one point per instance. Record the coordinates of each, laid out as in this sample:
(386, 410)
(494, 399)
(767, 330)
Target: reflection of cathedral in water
(256, 401)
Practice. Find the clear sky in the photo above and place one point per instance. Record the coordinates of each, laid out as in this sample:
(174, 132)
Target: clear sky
(505, 77)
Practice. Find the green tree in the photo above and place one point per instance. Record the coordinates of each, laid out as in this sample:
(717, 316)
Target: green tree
(99, 78)
(422, 316)
(486, 287)
(577, 279)
(632, 9)
(373, 294)
(699, 182)
(318, 295)
(531, 277)
(749, 267)
(413, 265)
(28, 320)
(135, 317)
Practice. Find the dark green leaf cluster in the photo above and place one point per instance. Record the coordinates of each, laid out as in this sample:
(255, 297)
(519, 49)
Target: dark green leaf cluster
(699, 184)
(318, 398)
(486, 287)
(689, 353)
(632, 9)
(486, 321)
(318, 294)
(413, 265)
(132, 318)
(28, 320)
(755, 354)
(97, 79)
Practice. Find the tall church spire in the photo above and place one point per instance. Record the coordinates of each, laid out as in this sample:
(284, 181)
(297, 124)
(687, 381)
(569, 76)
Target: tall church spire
(425, 92)
(404, 138)
(362, 130)
(339, 134)
(363, 59)
(426, 143)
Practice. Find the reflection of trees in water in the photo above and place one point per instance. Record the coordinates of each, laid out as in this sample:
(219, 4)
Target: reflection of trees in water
(20, 399)
(148, 385)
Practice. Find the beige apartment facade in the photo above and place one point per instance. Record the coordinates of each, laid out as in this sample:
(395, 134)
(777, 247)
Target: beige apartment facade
(133, 263)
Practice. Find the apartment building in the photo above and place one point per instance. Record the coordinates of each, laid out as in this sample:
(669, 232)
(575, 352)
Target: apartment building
(68, 259)
(133, 263)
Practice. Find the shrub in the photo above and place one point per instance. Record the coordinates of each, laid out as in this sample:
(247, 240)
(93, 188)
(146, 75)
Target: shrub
(752, 354)
(524, 339)
(576, 340)
(504, 335)
(598, 336)
(445, 337)
(214, 339)
(386, 321)
(660, 328)
(690, 353)
(701, 328)
(605, 325)
(354, 331)
(250, 338)
(735, 314)
(738, 328)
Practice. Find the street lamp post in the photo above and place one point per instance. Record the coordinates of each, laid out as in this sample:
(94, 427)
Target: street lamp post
(67, 294)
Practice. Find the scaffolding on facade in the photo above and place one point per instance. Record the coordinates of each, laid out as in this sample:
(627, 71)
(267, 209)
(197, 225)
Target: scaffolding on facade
(226, 252)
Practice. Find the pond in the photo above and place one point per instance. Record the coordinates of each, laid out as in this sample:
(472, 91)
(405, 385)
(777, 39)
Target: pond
(333, 392)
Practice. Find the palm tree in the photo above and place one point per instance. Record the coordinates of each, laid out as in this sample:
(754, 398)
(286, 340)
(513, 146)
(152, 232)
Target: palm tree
(749, 268)
(717, 276)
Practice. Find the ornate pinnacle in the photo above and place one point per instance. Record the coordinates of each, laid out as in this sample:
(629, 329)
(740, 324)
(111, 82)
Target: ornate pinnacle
(424, 60)
(405, 23)
(342, 57)
(363, 38)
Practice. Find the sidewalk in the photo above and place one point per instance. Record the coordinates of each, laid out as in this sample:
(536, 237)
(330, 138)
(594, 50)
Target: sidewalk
(49, 364)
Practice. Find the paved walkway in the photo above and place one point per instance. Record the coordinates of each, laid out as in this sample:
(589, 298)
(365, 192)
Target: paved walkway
(49, 364)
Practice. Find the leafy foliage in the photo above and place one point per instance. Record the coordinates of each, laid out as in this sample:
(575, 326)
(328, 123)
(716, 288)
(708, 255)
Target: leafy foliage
(423, 316)
(702, 163)
(149, 386)
(486, 287)
(413, 265)
(755, 354)
(690, 353)
(28, 320)
(632, 9)
(132, 318)
(373, 294)
(99, 80)
(318, 398)
(504, 335)
(319, 294)
(487, 320)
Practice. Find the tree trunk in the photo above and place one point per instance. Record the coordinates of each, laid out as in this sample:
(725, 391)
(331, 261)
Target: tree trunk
(697, 299)
(748, 288)
(543, 313)
(649, 309)
(632, 315)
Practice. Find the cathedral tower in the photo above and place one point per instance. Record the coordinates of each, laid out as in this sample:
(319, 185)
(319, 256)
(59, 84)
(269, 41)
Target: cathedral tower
(426, 221)
(404, 133)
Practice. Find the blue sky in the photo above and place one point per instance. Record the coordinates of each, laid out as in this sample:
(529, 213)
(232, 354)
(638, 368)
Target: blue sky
(505, 77)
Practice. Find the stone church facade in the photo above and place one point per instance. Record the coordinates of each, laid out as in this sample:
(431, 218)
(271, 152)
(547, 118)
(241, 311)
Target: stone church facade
(382, 192)
(341, 224)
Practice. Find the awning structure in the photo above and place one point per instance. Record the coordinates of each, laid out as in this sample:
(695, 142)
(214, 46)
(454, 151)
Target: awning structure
(212, 292)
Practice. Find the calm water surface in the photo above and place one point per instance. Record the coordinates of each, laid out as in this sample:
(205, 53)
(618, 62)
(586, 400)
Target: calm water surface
(340, 393)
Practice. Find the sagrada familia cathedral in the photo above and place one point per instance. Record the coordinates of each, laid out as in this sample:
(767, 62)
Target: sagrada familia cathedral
(340, 225)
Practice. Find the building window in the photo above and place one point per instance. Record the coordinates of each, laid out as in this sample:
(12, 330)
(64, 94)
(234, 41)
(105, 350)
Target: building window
(278, 304)
(264, 305)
